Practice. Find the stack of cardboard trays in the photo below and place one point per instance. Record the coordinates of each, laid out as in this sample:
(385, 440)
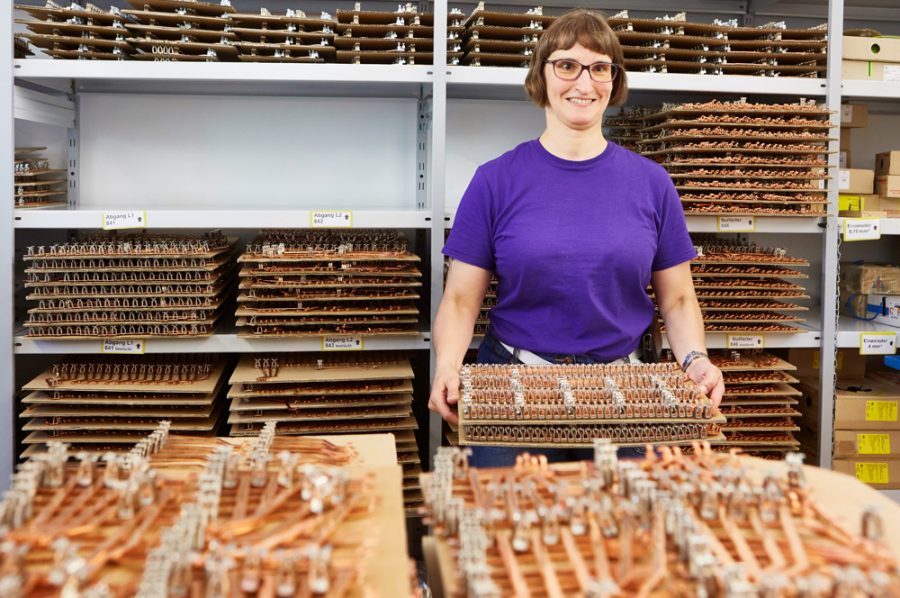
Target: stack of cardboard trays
(867, 429)
(866, 423)
(871, 292)
(871, 58)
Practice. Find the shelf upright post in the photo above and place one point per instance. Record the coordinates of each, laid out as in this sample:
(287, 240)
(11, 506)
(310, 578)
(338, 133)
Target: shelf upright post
(73, 144)
(7, 251)
(830, 241)
(437, 179)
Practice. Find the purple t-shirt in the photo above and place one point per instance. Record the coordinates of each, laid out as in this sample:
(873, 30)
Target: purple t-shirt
(573, 244)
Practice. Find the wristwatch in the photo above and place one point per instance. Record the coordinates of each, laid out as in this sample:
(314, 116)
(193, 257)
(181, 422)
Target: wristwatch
(690, 357)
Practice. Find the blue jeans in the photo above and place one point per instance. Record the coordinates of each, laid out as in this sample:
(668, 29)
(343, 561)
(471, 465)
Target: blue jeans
(491, 351)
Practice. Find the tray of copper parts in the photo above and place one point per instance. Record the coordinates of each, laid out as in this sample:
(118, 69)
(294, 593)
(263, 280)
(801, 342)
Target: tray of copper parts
(737, 157)
(570, 404)
(36, 184)
(333, 392)
(128, 285)
(328, 282)
(759, 400)
(149, 523)
(669, 525)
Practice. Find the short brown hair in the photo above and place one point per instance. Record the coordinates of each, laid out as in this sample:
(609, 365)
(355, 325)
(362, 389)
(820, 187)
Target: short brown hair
(583, 27)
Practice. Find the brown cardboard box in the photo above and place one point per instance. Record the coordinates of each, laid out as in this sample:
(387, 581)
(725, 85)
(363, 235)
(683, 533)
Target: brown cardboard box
(878, 473)
(845, 141)
(870, 279)
(889, 205)
(884, 49)
(887, 163)
(854, 116)
(888, 186)
(867, 444)
(873, 404)
(850, 364)
(856, 180)
(870, 71)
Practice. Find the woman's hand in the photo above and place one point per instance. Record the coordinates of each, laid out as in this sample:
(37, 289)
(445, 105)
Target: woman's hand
(708, 377)
(445, 394)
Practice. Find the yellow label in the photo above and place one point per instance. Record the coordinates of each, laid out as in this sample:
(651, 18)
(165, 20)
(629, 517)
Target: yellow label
(873, 444)
(881, 411)
(872, 473)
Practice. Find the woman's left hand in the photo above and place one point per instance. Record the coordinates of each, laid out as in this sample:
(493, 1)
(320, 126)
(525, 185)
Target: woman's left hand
(708, 377)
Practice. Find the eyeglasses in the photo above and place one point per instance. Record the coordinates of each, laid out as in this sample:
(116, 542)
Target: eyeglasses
(569, 70)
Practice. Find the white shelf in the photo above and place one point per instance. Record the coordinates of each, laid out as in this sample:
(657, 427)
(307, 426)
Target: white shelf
(220, 343)
(507, 83)
(131, 76)
(709, 224)
(888, 226)
(849, 330)
(810, 339)
(241, 219)
(887, 90)
(764, 224)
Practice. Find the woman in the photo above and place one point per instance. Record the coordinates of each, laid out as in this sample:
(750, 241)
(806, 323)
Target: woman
(575, 228)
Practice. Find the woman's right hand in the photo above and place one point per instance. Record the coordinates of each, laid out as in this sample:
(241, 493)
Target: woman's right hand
(445, 394)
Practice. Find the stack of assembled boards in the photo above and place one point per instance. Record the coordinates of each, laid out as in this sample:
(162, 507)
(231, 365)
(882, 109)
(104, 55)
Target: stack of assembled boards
(182, 30)
(571, 405)
(664, 44)
(738, 158)
(135, 285)
(328, 393)
(76, 32)
(741, 158)
(313, 283)
(292, 37)
(250, 520)
(106, 403)
(382, 37)
(759, 402)
(36, 184)
(668, 525)
(741, 286)
(490, 299)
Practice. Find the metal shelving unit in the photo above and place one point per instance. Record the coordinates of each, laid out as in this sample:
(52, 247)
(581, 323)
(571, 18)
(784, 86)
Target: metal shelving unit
(46, 91)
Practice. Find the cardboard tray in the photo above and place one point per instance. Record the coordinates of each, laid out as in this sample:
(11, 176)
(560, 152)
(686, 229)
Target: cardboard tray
(382, 17)
(313, 391)
(292, 299)
(323, 415)
(394, 369)
(192, 6)
(148, 33)
(364, 30)
(62, 14)
(481, 18)
(151, 398)
(71, 29)
(246, 34)
(186, 48)
(73, 43)
(344, 427)
(780, 389)
(206, 386)
(384, 44)
(315, 403)
(375, 57)
(119, 411)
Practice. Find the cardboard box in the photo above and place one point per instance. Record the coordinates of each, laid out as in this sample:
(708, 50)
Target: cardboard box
(887, 163)
(870, 279)
(857, 202)
(850, 364)
(870, 71)
(884, 49)
(854, 116)
(887, 186)
(873, 404)
(856, 180)
(845, 141)
(883, 474)
(866, 444)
